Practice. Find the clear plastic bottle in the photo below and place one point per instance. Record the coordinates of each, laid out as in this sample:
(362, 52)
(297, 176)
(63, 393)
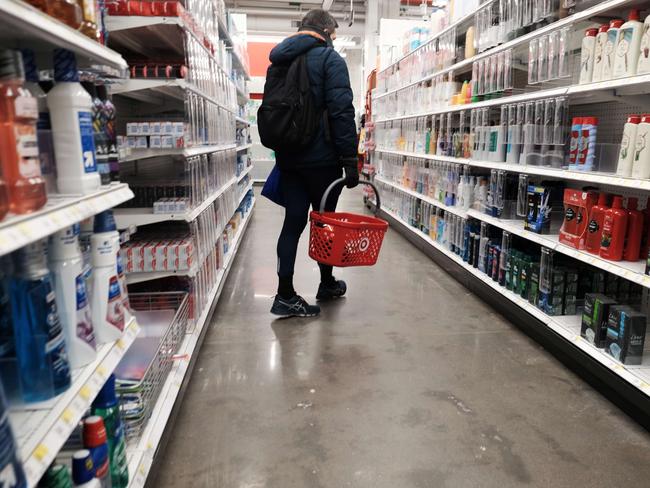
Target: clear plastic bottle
(18, 141)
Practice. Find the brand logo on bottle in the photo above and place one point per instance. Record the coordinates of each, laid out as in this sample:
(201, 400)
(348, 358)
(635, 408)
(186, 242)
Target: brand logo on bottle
(87, 142)
(593, 227)
(85, 330)
(115, 310)
(569, 214)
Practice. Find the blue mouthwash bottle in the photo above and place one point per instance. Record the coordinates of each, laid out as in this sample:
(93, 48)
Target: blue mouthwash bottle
(11, 470)
(40, 344)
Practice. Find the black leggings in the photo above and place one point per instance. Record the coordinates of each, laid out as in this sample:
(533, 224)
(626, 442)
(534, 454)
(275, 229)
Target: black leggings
(300, 189)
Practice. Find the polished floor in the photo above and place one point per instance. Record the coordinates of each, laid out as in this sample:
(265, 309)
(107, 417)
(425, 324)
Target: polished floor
(409, 382)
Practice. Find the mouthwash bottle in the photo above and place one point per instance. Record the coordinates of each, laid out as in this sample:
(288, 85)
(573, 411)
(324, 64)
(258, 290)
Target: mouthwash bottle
(11, 470)
(94, 438)
(107, 407)
(56, 476)
(40, 345)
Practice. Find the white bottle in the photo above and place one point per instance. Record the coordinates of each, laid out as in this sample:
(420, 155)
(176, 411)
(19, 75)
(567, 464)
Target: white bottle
(106, 304)
(72, 125)
(628, 46)
(610, 49)
(599, 53)
(643, 65)
(66, 265)
(641, 161)
(587, 56)
(626, 153)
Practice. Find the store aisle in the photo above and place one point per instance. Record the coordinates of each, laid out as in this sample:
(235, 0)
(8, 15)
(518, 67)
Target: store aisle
(408, 382)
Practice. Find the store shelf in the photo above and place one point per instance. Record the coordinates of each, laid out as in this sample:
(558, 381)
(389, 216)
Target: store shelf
(633, 271)
(127, 217)
(141, 456)
(156, 91)
(224, 35)
(567, 327)
(453, 210)
(138, 154)
(242, 97)
(244, 173)
(583, 177)
(60, 212)
(42, 429)
(592, 12)
(22, 22)
(244, 147)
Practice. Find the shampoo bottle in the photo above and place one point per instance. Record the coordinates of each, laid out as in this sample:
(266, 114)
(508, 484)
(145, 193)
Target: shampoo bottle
(643, 65)
(66, 264)
(40, 342)
(628, 46)
(72, 122)
(587, 56)
(641, 162)
(595, 226)
(626, 153)
(107, 407)
(634, 231)
(106, 304)
(599, 53)
(83, 470)
(610, 49)
(614, 229)
(95, 440)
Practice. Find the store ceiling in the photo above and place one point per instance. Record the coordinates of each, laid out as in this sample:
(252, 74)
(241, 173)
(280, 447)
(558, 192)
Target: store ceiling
(274, 19)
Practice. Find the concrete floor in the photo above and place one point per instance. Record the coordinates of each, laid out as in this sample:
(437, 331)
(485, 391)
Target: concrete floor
(408, 382)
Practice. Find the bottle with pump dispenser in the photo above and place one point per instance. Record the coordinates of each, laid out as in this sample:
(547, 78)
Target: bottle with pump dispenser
(72, 122)
(612, 242)
(628, 45)
(66, 263)
(40, 342)
(106, 304)
(21, 167)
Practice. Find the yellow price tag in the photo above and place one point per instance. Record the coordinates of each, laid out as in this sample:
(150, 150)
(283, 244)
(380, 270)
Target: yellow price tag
(120, 344)
(101, 371)
(41, 452)
(67, 416)
(84, 392)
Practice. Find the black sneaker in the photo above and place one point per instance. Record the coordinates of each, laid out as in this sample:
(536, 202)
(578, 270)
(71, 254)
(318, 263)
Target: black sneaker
(293, 307)
(336, 289)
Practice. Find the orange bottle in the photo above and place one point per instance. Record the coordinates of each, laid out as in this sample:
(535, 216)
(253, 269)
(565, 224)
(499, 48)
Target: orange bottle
(39, 4)
(18, 143)
(67, 11)
(89, 18)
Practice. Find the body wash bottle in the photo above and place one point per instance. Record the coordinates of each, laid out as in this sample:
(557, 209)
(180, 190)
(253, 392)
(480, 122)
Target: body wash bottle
(614, 228)
(626, 153)
(599, 53)
(628, 45)
(643, 64)
(610, 49)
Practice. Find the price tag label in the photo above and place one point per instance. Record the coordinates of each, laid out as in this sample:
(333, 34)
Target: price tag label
(61, 431)
(67, 416)
(102, 371)
(41, 452)
(120, 344)
(84, 392)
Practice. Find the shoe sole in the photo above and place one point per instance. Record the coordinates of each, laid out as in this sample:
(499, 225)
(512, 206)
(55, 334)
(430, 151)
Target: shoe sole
(284, 316)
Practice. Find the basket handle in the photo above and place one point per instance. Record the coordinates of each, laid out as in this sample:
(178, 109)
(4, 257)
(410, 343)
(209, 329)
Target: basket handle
(340, 181)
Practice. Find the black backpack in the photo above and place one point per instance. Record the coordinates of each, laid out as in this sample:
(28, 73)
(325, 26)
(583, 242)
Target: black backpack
(288, 118)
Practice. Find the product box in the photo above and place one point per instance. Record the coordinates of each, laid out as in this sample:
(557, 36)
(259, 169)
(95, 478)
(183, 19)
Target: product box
(167, 128)
(141, 142)
(524, 277)
(538, 218)
(131, 142)
(552, 301)
(179, 129)
(155, 142)
(168, 142)
(625, 338)
(133, 129)
(155, 128)
(145, 129)
(570, 292)
(533, 288)
(577, 208)
(595, 317)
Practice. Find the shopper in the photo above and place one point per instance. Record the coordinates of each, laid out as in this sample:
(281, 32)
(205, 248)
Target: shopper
(334, 148)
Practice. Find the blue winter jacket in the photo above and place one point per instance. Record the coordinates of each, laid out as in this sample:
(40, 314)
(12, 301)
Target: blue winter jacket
(330, 84)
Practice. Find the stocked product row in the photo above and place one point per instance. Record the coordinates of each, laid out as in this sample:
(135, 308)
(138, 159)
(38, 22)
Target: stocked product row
(537, 133)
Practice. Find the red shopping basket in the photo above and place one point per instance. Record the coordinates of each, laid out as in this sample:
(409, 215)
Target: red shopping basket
(345, 239)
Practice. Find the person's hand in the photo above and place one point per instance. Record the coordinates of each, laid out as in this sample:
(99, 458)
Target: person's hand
(351, 172)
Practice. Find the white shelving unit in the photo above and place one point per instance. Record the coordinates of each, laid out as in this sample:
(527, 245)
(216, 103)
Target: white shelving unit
(61, 211)
(43, 428)
(141, 456)
(139, 154)
(567, 326)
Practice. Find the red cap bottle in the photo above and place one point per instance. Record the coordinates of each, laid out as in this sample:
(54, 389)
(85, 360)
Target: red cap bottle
(612, 242)
(94, 432)
(634, 231)
(603, 28)
(595, 226)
